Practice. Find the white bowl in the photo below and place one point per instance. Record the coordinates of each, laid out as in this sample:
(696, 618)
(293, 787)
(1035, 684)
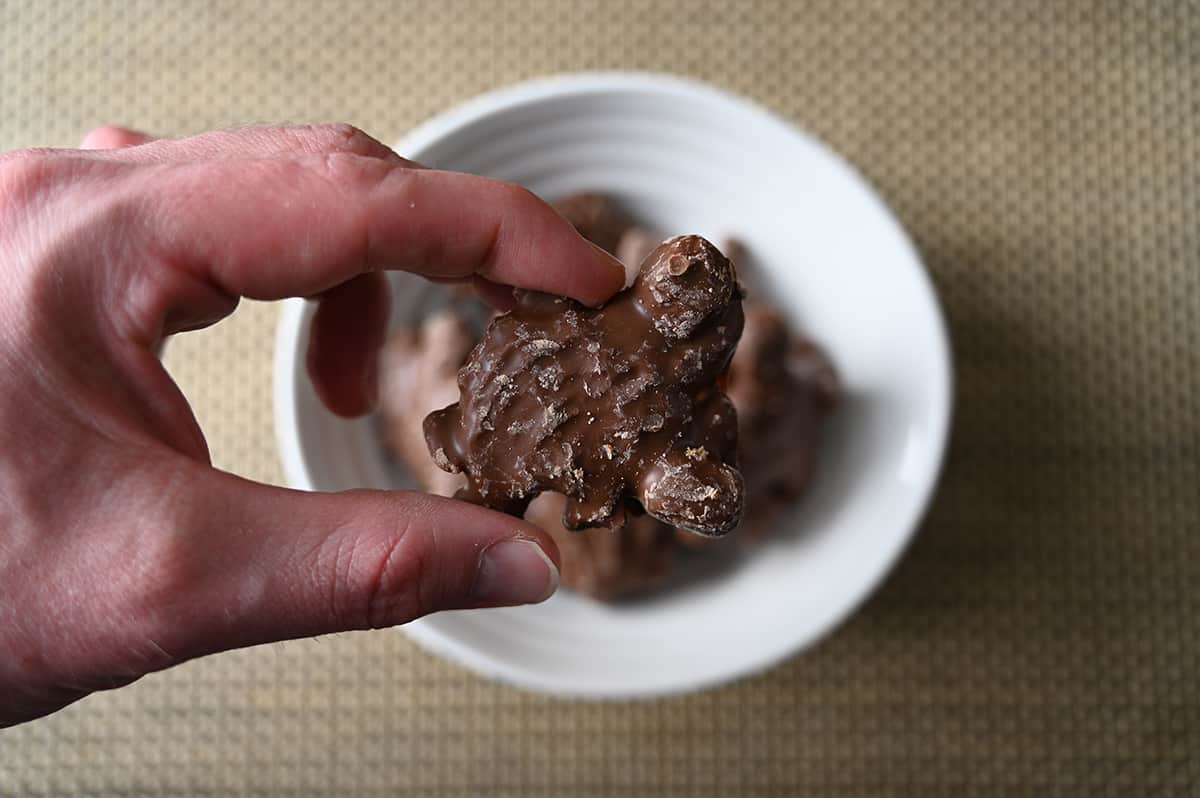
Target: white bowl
(692, 159)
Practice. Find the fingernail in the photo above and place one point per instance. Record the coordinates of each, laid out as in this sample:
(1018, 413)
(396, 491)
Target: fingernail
(514, 571)
(621, 271)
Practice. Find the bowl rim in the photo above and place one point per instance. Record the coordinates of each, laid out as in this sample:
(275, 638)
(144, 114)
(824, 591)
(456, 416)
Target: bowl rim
(296, 313)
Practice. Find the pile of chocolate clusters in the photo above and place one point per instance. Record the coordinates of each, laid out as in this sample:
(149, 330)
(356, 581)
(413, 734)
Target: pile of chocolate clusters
(669, 417)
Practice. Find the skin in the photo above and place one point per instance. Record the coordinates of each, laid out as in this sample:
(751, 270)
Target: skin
(122, 550)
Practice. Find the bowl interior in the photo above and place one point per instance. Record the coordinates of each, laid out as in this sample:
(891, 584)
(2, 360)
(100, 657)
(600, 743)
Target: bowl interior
(688, 159)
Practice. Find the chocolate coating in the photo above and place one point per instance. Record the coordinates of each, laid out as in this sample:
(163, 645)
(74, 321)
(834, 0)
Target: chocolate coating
(606, 405)
(419, 369)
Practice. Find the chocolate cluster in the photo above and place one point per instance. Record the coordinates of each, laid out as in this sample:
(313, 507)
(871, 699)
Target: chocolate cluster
(590, 419)
(606, 405)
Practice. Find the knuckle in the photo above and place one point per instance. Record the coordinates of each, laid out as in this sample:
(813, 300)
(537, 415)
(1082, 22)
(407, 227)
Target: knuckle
(342, 137)
(377, 581)
(522, 200)
(345, 168)
(526, 211)
(394, 593)
(522, 213)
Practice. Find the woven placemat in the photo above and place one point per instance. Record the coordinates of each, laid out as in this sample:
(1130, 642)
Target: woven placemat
(1042, 636)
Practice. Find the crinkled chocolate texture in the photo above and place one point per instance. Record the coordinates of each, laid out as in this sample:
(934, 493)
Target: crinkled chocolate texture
(607, 405)
(419, 373)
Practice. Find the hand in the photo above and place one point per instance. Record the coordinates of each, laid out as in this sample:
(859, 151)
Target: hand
(122, 551)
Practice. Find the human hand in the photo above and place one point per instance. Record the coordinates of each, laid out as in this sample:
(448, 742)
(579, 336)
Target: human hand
(122, 551)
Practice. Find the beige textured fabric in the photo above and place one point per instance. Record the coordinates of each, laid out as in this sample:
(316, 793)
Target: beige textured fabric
(1042, 636)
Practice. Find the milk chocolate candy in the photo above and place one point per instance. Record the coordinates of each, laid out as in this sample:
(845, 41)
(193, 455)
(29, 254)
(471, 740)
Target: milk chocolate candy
(611, 407)
(419, 371)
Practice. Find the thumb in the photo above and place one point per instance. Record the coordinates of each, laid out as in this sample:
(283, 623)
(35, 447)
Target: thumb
(277, 564)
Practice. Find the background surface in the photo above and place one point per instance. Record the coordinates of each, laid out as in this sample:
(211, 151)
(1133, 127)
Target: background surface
(1043, 632)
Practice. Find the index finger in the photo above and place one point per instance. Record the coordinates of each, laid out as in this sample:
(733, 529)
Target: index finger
(279, 227)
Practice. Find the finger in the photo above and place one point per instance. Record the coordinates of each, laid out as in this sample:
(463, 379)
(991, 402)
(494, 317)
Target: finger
(264, 142)
(343, 346)
(273, 228)
(276, 564)
(111, 137)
